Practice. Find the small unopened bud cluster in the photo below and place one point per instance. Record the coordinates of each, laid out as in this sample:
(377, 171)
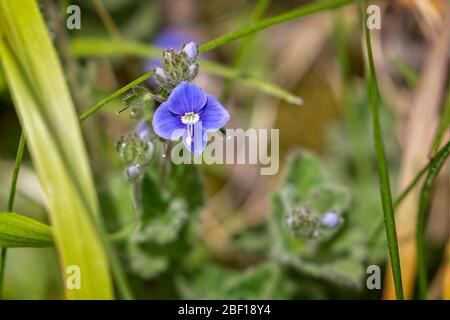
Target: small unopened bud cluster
(176, 67)
(136, 151)
(304, 223)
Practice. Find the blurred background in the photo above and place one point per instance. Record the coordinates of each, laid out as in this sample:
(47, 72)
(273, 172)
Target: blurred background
(231, 240)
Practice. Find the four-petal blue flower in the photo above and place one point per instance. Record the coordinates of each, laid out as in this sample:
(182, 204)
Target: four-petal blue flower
(189, 113)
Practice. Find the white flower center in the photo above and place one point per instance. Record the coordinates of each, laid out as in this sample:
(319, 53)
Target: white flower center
(190, 118)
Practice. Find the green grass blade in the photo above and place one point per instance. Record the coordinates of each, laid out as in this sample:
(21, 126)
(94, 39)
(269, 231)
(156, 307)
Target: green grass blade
(17, 164)
(11, 197)
(444, 125)
(411, 78)
(383, 174)
(48, 118)
(269, 22)
(404, 193)
(433, 172)
(18, 231)
(86, 47)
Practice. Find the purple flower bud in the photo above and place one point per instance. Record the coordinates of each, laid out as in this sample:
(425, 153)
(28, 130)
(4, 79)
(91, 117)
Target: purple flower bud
(160, 72)
(133, 171)
(191, 50)
(331, 219)
(143, 130)
(290, 221)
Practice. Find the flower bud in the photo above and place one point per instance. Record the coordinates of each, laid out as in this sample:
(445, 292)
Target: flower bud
(160, 74)
(133, 172)
(193, 68)
(143, 130)
(331, 220)
(191, 50)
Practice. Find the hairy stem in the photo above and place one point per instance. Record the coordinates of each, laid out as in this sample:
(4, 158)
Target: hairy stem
(115, 95)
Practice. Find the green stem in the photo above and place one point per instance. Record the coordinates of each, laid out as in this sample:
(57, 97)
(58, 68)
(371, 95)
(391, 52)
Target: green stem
(266, 23)
(424, 198)
(385, 188)
(444, 125)
(115, 95)
(412, 184)
(83, 47)
(257, 83)
(12, 195)
(241, 52)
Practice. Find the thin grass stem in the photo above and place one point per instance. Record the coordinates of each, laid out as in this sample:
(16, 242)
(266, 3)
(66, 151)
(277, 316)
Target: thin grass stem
(269, 22)
(383, 173)
(10, 207)
(424, 199)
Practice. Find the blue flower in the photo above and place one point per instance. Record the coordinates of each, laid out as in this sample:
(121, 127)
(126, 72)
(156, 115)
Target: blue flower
(189, 113)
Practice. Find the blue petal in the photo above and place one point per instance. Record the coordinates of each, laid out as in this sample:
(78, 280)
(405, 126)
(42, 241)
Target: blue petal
(186, 98)
(199, 139)
(166, 124)
(213, 116)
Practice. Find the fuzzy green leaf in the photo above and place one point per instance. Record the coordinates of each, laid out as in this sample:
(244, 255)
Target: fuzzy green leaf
(307, 188)
(215, 282)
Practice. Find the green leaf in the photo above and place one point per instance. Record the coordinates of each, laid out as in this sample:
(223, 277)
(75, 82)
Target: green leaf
(19, 231)
(162, 217)
(216, 282)
(144, 264)
(186, 183)
(168, 222)
(47, 115)
(334, 256)
(304, 172)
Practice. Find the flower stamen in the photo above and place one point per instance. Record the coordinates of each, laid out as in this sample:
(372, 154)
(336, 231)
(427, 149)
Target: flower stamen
(190, 118)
